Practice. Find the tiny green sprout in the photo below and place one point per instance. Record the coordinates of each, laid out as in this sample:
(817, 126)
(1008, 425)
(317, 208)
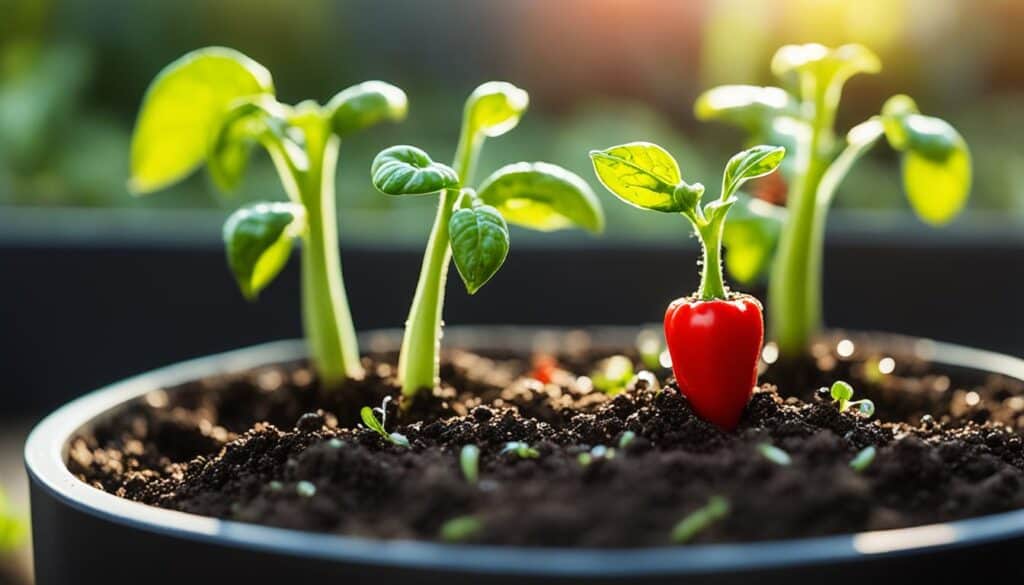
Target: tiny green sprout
(210, 108)
(626, 438)
(469, 461)
(842, 393)
(787, 243)
(700, 519)
(461, 529)
(521, 450)
(471, 225)
(305, 489)
(597, 452)
(774, 454)
(649, 344)
(369, 417)
(613, 374)
(863, 459)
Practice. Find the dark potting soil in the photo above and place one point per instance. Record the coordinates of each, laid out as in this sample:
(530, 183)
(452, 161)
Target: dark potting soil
(270, 447)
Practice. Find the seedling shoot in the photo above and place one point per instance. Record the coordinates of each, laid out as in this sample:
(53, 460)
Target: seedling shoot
(210, 107)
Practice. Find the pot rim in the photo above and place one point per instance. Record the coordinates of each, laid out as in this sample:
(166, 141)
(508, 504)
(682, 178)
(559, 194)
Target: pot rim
(46, 449)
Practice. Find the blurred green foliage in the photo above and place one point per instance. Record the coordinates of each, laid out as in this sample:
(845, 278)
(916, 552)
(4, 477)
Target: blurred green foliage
(72, 73)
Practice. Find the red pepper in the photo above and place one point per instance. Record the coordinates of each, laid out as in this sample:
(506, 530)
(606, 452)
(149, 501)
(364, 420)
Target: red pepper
(715, 346)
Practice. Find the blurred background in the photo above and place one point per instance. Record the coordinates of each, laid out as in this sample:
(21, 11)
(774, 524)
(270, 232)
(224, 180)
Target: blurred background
(96, 284)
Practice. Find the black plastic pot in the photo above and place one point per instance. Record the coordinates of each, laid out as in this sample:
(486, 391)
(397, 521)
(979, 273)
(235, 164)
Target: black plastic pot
(84, 535)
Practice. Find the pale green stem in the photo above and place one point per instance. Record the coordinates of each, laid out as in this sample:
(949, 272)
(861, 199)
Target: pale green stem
(712, 285)
(418, 362)
(326, 317)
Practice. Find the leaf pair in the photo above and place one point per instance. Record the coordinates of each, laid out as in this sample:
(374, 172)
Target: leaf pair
(645, 175)
(538, 195)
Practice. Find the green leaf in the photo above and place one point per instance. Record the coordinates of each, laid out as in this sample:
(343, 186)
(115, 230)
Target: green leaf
(936, 160)
(699, 520)
(543, 197)
(245, 122)
(494, 108)
(642, 174)
(258, 239)
(750, 237)
(750, 164)
(407, 170)
(479, 242)
(365, 105)
(748, 106)
(183, 108)
(371, 422)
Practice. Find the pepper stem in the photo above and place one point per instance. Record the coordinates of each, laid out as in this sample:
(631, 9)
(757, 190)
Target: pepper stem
(712, 284)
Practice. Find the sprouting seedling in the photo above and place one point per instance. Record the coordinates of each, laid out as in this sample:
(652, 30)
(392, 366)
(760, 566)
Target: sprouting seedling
(700, 519)
(598, 452)
(863, 459)
(469, 461)
(520, 450)
(936, 173)
(369, 416)
(774, 454)
(471, 225)
(650, 344)
(613, 374)
(211, 107)
(461, 529)
(626, 438)
(842, 393)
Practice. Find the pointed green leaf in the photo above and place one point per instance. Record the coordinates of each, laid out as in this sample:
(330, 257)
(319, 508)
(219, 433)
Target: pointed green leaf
(750, 164)
(825, 65)
(407, 170)
(479, 241)
(371, 421)
(258, 239)
(748, 106)
(642, 174)
(365, 105)
(244, 123)
(750, 237)
(494, 108)
(543, 197)
(183, 108)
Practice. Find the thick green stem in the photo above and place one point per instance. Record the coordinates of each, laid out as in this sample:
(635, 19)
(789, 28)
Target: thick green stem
(326, 317)
(794, 292)
(418, 362)
(712, 285)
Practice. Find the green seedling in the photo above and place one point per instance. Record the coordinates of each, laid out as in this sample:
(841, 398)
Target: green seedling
(471, 225)
(369, 417)
(774, 454)
(461, 529)
(649, 344)
(469, 461)
(863, 459)
(801, 117)
(626, 438)
(700, 519)
(613, 374)
(520, 450)
(211, 107)
(596, 453)
(842, 394)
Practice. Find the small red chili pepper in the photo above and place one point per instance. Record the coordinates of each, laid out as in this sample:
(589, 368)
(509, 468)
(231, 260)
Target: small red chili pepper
(715, 346)
(544, 367)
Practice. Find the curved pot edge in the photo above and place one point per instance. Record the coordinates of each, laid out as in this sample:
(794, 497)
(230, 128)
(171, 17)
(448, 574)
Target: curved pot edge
(45, 451)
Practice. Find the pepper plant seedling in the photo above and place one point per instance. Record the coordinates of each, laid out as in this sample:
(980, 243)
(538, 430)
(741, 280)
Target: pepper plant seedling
(369, 417)
(469, 462)
(714, 336)
(842, 394)
(520, 450)
(211, 107)
(471, 225)
(700, 519)
(935, 159)
(863, 459)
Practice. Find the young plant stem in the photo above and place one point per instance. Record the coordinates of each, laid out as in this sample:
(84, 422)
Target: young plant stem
(418, 361)
(712, 285)
(794, 296)
(325, 312)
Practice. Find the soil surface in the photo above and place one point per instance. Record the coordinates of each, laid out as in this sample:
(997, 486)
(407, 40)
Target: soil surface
(595, 469)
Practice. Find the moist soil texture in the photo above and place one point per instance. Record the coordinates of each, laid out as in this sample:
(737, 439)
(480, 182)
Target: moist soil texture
(629, 467)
